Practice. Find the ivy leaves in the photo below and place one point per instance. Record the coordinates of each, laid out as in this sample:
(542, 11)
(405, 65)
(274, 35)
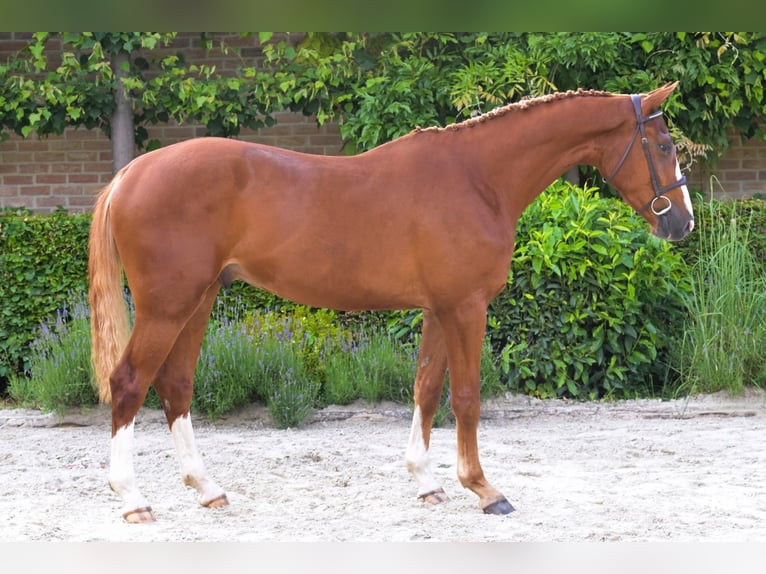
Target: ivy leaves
(39, 94)
(380, 85)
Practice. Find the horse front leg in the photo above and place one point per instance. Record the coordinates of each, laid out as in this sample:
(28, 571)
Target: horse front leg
(464, 331)
(429, 380)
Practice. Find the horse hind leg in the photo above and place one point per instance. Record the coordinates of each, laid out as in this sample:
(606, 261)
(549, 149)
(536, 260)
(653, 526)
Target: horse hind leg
(136, 508)
(174, 384)
(429, 380)
(147, 348)
(159, 324)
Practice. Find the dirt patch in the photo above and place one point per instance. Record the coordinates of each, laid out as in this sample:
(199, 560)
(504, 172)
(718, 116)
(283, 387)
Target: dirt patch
(635, 471)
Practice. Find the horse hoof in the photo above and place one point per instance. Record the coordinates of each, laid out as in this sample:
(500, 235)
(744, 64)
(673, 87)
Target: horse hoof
(217, 502)
(434, 497)
(501, 506)
(139, 516)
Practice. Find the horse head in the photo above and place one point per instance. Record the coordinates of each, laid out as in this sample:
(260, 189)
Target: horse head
(648, 175)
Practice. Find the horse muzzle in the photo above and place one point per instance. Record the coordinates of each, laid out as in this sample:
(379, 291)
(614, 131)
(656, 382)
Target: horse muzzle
(673, 226)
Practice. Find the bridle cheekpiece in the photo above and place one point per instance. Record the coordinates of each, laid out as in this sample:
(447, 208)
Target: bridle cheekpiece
(659, 192)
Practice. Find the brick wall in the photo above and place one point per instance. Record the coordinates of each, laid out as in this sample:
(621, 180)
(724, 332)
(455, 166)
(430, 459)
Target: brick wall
(69, 170)
(44, 173)
(740, 172)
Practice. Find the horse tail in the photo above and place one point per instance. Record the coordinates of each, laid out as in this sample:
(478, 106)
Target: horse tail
(109, 324)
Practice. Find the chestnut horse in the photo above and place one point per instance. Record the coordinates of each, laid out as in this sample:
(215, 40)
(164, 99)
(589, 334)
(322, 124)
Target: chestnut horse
(425, 221)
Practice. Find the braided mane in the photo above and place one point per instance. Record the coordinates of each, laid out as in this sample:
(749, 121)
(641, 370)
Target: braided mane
(523, 104)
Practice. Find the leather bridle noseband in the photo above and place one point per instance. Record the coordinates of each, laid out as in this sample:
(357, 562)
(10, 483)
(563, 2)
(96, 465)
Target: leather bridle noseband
(659, 192)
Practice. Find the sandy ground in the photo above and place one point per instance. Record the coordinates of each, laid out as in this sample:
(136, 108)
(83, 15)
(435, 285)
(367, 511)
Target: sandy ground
(630, 471)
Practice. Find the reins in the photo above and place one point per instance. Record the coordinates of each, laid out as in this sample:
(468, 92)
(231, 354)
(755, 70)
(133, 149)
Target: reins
(659, 192)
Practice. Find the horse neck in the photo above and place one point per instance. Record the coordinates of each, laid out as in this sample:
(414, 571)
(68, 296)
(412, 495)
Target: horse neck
(524, 151)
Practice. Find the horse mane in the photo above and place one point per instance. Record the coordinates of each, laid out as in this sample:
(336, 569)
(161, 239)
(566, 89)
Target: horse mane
(523, 104)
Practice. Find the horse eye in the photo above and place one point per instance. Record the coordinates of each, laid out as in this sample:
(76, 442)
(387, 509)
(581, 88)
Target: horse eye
(664, 148)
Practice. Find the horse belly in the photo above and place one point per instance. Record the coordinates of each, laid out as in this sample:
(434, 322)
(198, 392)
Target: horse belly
(324, 280)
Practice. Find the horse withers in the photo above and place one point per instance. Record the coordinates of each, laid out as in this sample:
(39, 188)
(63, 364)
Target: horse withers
(425, 221)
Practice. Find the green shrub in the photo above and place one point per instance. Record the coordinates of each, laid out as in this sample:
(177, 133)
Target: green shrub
(59, 372)
(311, 333)
(240, 299)
(342, 378)
(43, 260)
(591, 302)
(490, 373)
(267, 356)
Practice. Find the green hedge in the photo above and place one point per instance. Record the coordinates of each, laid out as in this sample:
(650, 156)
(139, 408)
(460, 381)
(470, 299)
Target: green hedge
(44, 264)
(43, 260)
(591, 302)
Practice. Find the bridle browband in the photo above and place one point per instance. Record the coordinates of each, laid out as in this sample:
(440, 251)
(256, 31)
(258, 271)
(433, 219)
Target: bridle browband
(659, 192)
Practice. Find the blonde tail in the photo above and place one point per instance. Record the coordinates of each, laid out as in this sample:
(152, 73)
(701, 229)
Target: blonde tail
(109, 325)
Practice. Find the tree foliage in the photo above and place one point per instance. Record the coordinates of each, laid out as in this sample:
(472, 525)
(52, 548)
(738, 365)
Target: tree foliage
(381, 85)
(61, 80)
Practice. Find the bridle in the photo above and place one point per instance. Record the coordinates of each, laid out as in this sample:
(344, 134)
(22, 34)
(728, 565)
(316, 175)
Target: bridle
(659, 192)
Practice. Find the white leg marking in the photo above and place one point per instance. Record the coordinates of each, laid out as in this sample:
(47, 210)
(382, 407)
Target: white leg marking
(192, 467)
(685, 191)
(417, 459)
(121, 474)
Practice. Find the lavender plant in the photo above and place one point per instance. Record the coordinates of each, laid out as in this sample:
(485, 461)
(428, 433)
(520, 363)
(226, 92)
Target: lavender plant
(230, 372)
(291, 361)
(292, 394)
(59, 373)
(374, 366)
(287, 348)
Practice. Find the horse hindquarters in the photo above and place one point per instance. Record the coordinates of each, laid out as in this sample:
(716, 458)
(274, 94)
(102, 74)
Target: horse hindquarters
(170, 321)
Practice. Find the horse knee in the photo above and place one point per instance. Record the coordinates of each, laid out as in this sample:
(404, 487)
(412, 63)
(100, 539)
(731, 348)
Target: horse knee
(467, 410)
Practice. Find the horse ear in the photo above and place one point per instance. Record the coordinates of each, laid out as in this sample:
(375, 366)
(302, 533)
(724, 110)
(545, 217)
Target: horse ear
(651, 101)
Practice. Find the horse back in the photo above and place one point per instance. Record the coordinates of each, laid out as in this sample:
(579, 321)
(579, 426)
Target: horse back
(377, 230)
